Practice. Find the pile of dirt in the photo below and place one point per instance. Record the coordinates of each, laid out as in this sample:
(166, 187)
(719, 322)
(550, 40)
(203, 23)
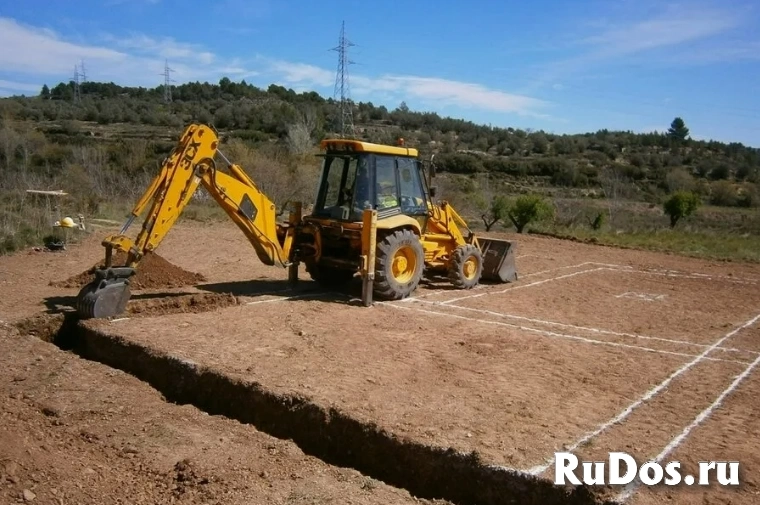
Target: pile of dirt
(196, 303)
(47, 327)
(153, 272)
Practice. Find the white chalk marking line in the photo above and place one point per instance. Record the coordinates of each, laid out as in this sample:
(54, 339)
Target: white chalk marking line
(541, 256)
(604, 266)
(562, 335)
(647, 396)
(587, 263)
(647, 297)
(316, 294)
(608, 267)
(532, 274)
(676, 441)
(586, 328)
(743, 280)
(267, 293)
(694, 276)
(498, 468)
(522, 286)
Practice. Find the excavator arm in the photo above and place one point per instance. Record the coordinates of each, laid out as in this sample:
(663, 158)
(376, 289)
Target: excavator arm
(190, 164)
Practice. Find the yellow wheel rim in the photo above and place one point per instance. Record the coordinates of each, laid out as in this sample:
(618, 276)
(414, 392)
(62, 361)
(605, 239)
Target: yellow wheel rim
(470, 268)
(404, 264)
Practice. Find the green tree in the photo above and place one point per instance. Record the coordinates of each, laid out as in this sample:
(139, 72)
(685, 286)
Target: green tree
(497, 211)
(45, 93)
(681, 204)
(678, 130)
(526, 209)
(597, 222)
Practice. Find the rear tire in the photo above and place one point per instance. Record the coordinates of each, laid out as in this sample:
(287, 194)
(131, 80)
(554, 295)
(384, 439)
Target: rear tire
(400, 261)
(466, 267)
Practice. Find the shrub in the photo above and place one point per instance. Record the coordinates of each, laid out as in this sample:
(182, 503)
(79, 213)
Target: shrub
(681, 204)
(526, 209)
(597, 222)
(723, 194)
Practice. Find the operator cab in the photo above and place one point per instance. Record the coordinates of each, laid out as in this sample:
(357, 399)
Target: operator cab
(360, 175)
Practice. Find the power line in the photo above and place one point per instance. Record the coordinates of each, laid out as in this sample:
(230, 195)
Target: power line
(341, 93)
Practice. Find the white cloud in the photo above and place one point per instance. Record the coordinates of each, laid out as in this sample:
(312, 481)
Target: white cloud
(136, 60)
(676, 25)
(727, 51)
(301, 73)
(166, 48)
(13, 87)
(139, 59)
(446, 92)
(40, 51)
(676, 34)
(435, 91)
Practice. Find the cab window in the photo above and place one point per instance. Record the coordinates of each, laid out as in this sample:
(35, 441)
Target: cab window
(411, 194)
(386, 189)
(336, 193)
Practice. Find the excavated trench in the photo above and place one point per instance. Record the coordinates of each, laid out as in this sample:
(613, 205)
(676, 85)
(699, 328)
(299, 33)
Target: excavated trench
(328, 434)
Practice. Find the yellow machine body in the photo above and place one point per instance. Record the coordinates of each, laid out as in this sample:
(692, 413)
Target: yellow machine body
(362, 185)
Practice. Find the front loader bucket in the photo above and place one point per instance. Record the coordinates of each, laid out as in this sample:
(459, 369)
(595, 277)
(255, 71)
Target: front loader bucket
(498, 260)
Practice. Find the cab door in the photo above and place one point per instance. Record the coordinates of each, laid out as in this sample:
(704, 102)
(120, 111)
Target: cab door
(412, 195)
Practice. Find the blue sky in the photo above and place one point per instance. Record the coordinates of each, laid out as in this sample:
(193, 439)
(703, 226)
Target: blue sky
(560, 66)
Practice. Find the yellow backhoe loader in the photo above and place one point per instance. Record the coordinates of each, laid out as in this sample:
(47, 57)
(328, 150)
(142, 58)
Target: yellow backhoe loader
(374, 214)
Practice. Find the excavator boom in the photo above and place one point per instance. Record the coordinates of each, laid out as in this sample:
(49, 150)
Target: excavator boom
(190, 164)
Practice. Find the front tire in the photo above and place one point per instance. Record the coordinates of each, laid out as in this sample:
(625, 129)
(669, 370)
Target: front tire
(466, 267)
(400, 261)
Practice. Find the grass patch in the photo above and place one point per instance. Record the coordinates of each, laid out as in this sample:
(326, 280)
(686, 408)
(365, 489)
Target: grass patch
(706, 245)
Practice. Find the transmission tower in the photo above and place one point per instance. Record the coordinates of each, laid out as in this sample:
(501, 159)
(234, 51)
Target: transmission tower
(167, 82)
(341, 94)
(84, 74)
(77, 95)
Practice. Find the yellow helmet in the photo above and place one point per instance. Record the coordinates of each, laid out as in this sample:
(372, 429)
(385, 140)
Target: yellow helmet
(67, 222)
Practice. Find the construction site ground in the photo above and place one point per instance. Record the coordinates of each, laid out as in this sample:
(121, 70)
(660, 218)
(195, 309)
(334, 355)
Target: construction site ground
(231, 387)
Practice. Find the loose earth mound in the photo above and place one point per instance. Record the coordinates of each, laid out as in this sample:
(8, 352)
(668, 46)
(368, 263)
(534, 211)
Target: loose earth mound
(152, 273)
(195, 303)
(47, 326)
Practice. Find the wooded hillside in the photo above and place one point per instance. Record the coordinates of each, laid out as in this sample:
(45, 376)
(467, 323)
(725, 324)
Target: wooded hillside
(107, 142)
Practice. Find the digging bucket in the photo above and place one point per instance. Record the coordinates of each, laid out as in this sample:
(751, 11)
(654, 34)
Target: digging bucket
(498, 260)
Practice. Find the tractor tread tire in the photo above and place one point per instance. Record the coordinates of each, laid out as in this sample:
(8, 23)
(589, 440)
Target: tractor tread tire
(456, 266)
(385, 286)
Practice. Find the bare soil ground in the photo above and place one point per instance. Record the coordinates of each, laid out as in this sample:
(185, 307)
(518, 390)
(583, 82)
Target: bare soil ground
(597, 349)
(74, 431)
